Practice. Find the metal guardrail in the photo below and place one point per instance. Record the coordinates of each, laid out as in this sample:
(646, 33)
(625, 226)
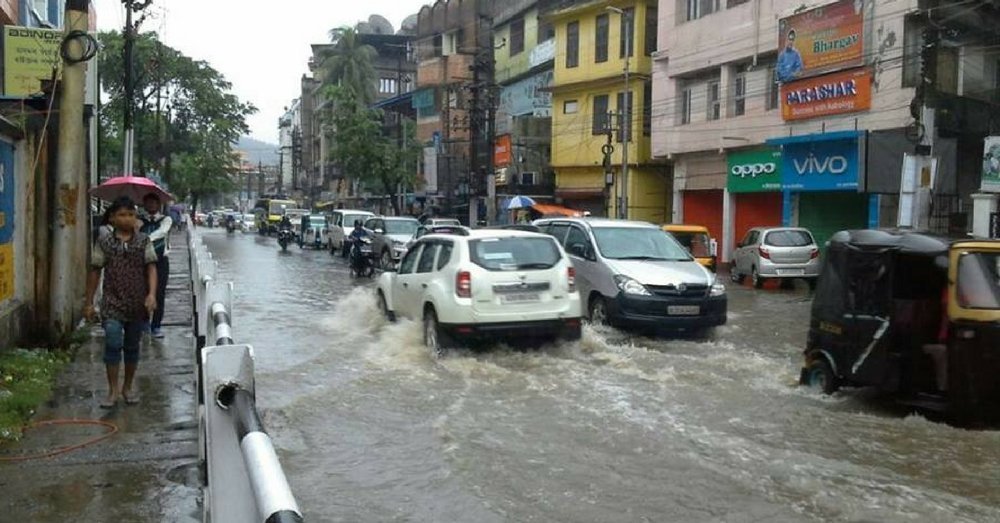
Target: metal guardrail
(243, 478)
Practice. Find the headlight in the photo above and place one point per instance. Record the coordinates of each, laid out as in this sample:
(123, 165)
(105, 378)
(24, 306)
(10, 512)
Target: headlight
(398, 244)
(630, 286)
(718, 289)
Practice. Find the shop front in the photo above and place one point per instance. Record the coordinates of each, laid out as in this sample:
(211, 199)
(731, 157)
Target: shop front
(820, 174)
(754, 183)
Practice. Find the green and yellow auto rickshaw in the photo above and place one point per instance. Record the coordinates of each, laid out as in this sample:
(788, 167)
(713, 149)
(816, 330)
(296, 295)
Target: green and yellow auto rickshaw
(914, 315)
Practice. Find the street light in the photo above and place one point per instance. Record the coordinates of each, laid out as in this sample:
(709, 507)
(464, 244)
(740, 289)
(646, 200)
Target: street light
(626, 109)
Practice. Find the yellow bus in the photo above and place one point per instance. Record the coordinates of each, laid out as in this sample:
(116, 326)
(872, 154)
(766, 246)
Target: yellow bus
(268, 213)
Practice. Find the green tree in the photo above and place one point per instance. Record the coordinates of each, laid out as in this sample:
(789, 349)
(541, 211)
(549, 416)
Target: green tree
(349, 63)
(364, 152)
(186, 118)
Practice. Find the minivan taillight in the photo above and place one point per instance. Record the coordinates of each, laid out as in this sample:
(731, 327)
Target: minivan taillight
(764, 253)
(571, 278)
(463, 284)
(814, 254)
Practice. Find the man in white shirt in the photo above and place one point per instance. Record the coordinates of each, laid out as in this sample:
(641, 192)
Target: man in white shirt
(157, 226)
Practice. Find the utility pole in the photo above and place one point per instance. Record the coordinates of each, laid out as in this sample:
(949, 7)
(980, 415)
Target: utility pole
(281, 170)
(260, 178)
(625, 110)
(129, 35)
(70, 202)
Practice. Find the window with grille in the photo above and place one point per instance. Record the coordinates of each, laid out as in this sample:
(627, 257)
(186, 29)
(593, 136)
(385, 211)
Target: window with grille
(685, 104)
(773, 89)
(600, 116)
(516, 36)
(714, 103)
(572, 44)
(740, 94)
(602, 24)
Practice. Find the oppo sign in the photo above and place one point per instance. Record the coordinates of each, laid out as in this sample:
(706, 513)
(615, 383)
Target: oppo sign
(753, 170)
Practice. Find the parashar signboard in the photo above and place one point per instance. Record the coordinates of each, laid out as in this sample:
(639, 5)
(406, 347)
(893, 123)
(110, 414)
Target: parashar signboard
(754, 171)
(29, 56)
(820, 166)
(835, 93)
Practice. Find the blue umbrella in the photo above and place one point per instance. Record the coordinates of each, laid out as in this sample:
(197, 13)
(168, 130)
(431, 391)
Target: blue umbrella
(520, 202)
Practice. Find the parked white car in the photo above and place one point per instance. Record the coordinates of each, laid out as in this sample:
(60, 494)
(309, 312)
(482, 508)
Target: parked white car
(484, 285)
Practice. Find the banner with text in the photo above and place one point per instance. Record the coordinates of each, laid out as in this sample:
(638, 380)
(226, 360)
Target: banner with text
(29, 56)
(821, 40)
(821, 166)
(754, 171)
(835, 93)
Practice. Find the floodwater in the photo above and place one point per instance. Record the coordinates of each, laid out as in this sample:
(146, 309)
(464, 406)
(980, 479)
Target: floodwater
(615, 427)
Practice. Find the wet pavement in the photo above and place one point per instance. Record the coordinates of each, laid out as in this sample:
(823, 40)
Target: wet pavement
(147, 471)
(612, 428)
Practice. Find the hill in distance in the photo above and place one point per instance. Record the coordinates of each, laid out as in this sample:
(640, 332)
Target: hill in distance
(258, 151)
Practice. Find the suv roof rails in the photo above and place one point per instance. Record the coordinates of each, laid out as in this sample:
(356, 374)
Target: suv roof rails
(456, 230)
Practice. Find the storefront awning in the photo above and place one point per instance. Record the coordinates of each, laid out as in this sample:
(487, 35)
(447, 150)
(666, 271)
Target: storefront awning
(815, 137)
(548, 209)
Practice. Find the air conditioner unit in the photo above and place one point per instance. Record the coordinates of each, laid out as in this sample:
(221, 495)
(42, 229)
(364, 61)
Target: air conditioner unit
(527, 178)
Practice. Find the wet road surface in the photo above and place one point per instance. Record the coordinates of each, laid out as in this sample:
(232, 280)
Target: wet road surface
(612, 428)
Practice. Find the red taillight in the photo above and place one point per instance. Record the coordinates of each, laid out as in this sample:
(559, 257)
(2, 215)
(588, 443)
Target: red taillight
(814, 254)
(764, 253)
(571, 278)
(463, 284)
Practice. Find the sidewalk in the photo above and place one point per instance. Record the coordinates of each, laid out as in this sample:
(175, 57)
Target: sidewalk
(145, 472)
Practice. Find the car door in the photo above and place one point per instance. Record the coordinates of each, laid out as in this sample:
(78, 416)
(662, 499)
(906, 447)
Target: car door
(403, 283)
(422, 274)
(742, 265)
(581, 251)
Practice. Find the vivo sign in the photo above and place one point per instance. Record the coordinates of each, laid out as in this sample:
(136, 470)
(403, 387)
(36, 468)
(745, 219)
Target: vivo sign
(821, 166)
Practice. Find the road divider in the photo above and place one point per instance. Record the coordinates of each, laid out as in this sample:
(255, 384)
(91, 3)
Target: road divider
(242, 478)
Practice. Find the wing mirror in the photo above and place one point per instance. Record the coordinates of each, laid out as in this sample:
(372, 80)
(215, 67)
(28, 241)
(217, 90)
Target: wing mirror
(378, 231)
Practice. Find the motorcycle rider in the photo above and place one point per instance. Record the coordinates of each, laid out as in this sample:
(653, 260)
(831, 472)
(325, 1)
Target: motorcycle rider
(286, 223)
(355, 238)
(230, 222)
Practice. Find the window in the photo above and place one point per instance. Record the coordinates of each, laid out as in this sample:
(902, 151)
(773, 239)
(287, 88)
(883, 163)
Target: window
(651, 24)
(426, 263)
(406, 266)
(714, 104)
(686, 106)
(516, 36)
(627, 28)
(546, 31)
(601, 38)
(773, 88)
(647, 109)
(387, 86)
(913, 38)
(699, 8)
(570, 107)
(733, 3)
(558, 231)
(740, 94)
(788, 238)
(514, 253)
(646, 243)
(979, 281)
(572, 44)
(600, 115)
(624, 110)
(577, 236)
(452, 42)
(437, 45)
(444, 256)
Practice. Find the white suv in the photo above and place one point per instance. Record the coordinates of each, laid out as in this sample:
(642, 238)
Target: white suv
(484, 285)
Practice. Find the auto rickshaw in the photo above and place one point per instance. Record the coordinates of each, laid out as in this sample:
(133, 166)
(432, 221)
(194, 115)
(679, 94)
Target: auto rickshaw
(914, 315)
(697, 240)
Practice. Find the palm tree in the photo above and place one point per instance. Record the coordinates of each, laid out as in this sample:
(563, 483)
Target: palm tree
(349, 63)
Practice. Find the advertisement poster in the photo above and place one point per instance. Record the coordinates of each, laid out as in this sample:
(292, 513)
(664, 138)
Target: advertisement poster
(991, 164)
(821, 166)
(29, 55)
(754, 171)
(7, 189)
(502, 151)
(821, 40)
(430, 169)
(835, 93)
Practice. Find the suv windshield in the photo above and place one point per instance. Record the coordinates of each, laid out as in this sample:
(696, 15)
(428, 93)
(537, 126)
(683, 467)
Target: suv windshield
(788, 239)
(401, 226)
(979, 281)
(511, 254)
(638, 243)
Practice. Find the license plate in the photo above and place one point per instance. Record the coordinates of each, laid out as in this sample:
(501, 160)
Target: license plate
(683, 310)
(791, 272)
(519, 297)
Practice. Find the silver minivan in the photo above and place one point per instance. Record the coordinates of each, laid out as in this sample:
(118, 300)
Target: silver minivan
(776, 252)
(632, 274)
(341, 225)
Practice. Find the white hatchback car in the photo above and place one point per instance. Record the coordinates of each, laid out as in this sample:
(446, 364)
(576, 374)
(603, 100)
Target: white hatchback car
(484, 285)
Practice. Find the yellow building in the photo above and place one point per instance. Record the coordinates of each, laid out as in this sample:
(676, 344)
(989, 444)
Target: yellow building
(587, 94)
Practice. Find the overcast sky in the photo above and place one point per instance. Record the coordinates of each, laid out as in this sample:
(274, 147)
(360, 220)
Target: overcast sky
(263, 52)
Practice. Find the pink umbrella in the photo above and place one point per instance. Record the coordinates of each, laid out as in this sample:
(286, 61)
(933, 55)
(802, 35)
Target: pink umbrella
(135, 187)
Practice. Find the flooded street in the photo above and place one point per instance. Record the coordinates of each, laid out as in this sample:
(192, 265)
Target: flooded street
(613, 428)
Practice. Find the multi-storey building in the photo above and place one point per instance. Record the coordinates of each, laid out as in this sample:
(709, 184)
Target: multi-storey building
(802, 114)
(452, 37)
(524, 55)
(588, 97)
(289, 133)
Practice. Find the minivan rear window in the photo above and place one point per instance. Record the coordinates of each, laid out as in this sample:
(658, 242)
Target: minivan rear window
(512, 254)
(788, 239)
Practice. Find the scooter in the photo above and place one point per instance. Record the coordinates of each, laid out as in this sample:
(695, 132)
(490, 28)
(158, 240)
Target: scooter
(285, 237)
(361, 260)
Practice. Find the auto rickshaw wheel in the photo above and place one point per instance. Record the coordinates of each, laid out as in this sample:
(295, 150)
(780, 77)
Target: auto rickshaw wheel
(819, 375)
(735, 276)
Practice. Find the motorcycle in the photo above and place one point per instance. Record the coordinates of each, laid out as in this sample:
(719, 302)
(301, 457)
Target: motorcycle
(285, 237)
(230, 226)
(361, 259)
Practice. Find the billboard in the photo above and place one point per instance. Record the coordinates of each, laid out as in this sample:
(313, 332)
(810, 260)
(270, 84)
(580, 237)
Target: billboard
(754, 171)
(29, 56)
(430, 169)
(820, 40)
(830, 165)
(7, 189)
(502, 151)
(991, 164)
(834, 93)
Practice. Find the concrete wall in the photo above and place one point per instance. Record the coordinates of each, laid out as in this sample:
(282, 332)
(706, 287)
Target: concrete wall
(690, 52)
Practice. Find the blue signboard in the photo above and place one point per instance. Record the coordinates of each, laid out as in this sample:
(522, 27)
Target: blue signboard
(7, 190)
(830, 165)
